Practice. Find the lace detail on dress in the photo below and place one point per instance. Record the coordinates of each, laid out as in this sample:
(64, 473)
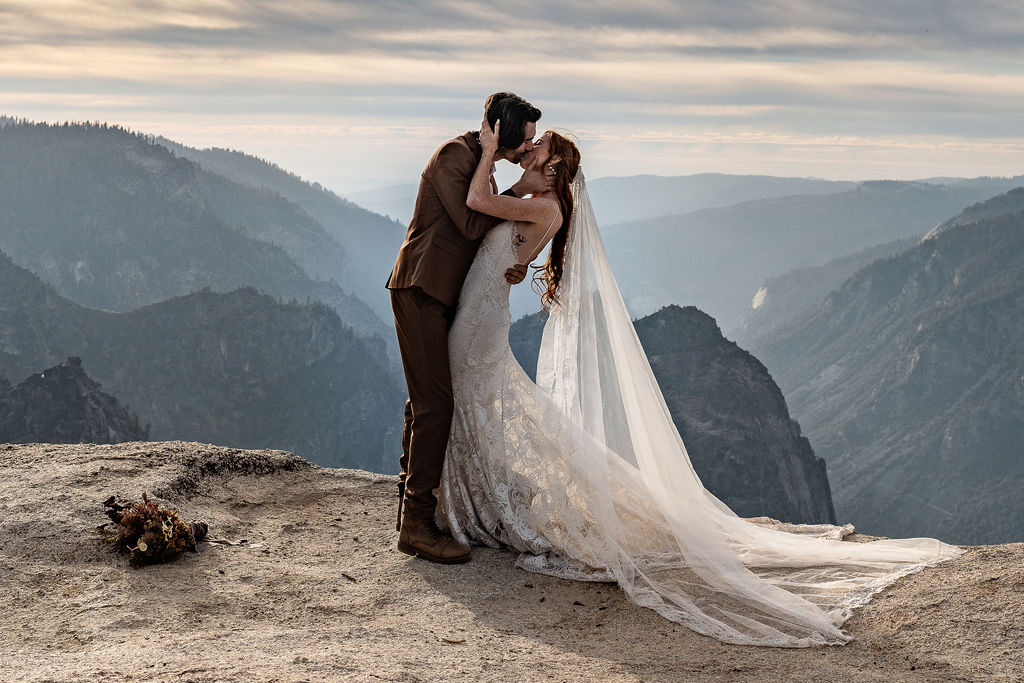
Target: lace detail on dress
(484, 495)
(516, 470)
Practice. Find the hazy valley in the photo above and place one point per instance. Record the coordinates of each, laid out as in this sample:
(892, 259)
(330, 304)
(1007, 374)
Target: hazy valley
(718, 258)
(909, 380)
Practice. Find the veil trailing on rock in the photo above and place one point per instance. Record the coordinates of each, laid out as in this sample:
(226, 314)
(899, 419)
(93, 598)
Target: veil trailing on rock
(671, 544)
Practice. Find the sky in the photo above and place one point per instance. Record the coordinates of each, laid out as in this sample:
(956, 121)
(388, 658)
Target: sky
(358, 94)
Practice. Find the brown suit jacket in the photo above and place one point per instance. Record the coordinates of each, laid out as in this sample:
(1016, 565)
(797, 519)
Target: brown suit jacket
(444, 234)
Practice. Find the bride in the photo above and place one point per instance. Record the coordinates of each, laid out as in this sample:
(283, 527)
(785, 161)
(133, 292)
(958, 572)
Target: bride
(584, 472)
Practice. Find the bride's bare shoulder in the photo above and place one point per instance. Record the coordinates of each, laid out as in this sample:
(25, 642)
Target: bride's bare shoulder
(546, 210)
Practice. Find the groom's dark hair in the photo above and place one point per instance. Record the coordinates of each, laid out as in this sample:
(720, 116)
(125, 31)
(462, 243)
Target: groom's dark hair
(514, 112)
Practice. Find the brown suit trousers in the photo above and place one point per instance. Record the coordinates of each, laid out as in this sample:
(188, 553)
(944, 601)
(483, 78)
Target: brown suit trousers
(422, 324)
(439, 247)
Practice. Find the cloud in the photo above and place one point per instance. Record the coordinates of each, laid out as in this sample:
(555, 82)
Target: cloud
(534, 26)
(729, 74)
(91, 20)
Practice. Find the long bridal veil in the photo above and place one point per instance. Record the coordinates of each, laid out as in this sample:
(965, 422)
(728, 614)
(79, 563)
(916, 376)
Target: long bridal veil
(665, 539)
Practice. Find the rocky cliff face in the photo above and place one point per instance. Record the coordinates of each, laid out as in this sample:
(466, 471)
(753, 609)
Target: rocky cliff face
(62, 404)
(783, 301)
(240, 367)
(910, 383)
(728, 410)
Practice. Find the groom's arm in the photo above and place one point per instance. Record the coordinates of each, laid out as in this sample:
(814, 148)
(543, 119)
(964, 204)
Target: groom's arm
(450, 179)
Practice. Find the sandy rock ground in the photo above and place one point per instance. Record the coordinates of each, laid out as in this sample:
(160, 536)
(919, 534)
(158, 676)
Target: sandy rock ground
(318, 592)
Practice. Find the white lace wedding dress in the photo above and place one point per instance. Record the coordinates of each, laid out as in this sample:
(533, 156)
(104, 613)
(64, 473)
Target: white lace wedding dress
(587, 477)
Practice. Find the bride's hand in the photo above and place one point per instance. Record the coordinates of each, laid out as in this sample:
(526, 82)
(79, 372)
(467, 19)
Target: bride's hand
(489, 138)
(516, 273)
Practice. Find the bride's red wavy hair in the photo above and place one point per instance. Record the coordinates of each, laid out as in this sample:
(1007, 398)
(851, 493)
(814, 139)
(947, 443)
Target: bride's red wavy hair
(548, 276)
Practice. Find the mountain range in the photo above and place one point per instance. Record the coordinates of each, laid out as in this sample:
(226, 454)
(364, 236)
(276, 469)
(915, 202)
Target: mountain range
(370, 241)
(115, 220)
(233, 368)
(626, 199)
(717, 259)
(618, 199)
(909, 381)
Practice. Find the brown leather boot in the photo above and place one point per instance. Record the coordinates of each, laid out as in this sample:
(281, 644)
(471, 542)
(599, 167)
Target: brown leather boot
(421, 537)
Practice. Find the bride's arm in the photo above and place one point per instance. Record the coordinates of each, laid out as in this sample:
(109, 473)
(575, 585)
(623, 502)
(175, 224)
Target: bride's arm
(482, 198)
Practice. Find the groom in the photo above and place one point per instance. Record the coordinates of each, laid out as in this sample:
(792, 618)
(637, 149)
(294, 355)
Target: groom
(432, 263)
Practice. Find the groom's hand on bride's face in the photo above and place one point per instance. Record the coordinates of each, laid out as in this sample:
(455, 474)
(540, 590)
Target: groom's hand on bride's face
(534, 181)
(516, 273)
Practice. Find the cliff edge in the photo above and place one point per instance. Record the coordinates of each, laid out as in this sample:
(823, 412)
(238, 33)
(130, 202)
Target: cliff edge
(318, 592)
